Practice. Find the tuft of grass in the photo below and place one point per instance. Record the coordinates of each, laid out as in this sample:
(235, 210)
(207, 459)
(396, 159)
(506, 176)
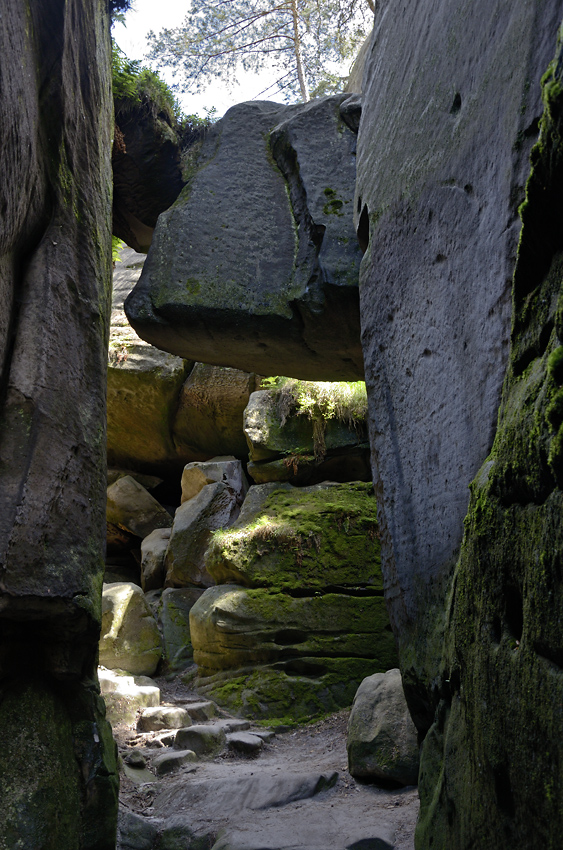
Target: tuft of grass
(320, 401)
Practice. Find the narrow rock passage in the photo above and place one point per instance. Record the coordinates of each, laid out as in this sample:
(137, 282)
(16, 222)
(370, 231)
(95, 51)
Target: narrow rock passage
(296, 794)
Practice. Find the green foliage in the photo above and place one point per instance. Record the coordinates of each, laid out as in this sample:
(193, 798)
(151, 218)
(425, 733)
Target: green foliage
(116, 246)
(555, 365)
(320, 401)
(301, 39)
(303, 538)
(134, 85)
(137, 87)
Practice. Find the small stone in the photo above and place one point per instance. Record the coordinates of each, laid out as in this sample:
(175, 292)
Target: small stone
(135, 759)
(244, 742)
(203, 740)
(265, 734)
(163, 717)
(233, 724)
(168, 762)
(201, 711)
(153, 550)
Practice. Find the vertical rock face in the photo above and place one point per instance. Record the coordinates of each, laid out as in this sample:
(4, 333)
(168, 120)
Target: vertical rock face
(501, 683)
(451, 104)
(55, 107)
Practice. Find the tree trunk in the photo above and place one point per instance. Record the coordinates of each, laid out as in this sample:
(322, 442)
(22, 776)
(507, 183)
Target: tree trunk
(298, 56)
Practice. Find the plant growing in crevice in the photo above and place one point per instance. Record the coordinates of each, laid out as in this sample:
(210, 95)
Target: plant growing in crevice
(320, 402)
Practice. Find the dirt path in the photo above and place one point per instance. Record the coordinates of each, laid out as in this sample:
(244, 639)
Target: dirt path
(296, 795)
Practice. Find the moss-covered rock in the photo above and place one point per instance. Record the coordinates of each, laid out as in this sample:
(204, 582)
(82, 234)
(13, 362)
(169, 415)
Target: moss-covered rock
(287, 444)
(296, 538)
(314, 648)
(285, 696)
(492, 762)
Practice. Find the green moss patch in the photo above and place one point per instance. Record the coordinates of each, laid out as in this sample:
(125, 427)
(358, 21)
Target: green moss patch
(313, 537)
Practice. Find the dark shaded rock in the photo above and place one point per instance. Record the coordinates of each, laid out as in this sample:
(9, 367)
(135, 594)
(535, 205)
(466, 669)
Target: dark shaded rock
(232, 301)
(493, 755)
(288, 451)
(245, 743)
(147, 171)
(448, 121)
(174, 621)
(132, 508)
(210, 411)
(58, 781)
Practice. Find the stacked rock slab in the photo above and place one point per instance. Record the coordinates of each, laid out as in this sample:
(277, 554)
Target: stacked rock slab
(212, 288)
(451, 108)
(298, 617)
(58, 782)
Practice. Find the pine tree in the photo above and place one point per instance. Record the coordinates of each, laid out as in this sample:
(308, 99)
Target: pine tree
(301, 39)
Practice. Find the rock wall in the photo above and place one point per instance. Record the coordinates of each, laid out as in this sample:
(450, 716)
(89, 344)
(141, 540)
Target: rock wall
(58, 782)
(452, 101)
(501, 683)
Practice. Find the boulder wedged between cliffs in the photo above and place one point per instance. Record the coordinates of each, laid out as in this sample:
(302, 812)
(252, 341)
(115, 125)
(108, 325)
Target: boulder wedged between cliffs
(256, 264)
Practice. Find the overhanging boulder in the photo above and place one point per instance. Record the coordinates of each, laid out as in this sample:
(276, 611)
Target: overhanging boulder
(256, 264)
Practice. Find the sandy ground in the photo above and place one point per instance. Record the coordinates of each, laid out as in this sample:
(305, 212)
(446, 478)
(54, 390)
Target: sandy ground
(246, 798)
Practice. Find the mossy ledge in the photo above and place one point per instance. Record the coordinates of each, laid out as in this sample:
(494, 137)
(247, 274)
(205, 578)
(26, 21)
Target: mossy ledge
(296, 531)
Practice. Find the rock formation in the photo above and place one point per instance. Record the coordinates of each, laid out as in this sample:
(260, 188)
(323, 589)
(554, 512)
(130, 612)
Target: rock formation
(292, 446)
(501, 680)
(58, 782)
(146, 163)
(163, 411)
(298, 617)
(382, 742)
(256, 264)
(443, 156)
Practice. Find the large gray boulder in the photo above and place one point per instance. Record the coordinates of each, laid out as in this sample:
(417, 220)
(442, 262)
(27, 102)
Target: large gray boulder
(212, 289)
(58, 779)
(214, 507)
(382, 740)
